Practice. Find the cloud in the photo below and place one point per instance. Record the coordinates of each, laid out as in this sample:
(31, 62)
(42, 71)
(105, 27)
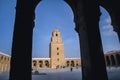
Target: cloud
(108, 20)
(107, 28)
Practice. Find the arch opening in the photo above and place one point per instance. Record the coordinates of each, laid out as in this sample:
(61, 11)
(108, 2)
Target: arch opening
(118, 59)
(107, 61)
(113, 60)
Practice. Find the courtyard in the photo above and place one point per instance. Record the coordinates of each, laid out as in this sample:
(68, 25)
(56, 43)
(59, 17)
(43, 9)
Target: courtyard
(64, 74)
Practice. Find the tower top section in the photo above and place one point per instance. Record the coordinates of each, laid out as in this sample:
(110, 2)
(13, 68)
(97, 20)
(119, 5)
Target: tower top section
(56, 38)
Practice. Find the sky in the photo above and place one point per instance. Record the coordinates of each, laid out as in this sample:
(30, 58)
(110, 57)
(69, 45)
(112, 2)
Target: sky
(50, 15)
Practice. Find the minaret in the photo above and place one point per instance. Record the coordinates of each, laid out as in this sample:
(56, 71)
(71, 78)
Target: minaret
(56, 50)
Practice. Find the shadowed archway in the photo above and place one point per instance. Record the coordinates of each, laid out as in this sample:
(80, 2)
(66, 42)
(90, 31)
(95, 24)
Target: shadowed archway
(107, 61)
(88, 32)
(113, 60)
(118, 59)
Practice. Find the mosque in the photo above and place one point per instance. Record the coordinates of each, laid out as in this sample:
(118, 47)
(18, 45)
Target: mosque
(56, 56)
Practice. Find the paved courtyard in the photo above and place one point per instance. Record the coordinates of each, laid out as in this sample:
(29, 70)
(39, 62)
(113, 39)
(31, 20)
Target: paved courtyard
(64, 74)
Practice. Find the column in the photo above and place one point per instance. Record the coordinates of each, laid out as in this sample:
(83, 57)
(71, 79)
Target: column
(116, 62)
(105, 60)
(86, 17)
(114, 6)
(110, 60)
(22, 40)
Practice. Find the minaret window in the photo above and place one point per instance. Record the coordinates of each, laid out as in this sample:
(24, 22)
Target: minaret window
(58, 59)
(56, 34)
(57, 48)
(58, 53)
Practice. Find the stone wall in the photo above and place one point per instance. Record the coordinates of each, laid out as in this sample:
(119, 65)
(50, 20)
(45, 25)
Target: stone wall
(4, 62)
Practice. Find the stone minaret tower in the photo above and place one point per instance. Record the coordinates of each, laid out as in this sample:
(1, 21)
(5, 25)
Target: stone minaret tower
(56, 50)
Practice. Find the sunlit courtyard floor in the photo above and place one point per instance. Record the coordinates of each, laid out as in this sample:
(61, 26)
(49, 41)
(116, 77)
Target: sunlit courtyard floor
(64, 74)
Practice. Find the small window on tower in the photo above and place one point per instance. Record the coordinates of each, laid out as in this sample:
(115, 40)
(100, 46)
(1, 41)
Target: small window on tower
(56, 34)
(58, 59)
(57, 48)
(58, 53)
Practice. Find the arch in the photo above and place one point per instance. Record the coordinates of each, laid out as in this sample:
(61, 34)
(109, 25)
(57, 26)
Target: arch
(47, 63)
(108, 9)
(40, 63)
(77, 64)
(39, 10)
(118, 59)
(71, 61)
(1, 58)
(113, 60)
(107, 61)
(57, 66)
(5, 59)
(2, 66)
(114, 13)
(68, 63)
(72, 64)
(34, 63)
(107, 31)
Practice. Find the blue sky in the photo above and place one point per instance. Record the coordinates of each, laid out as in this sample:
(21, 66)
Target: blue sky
(49, 16)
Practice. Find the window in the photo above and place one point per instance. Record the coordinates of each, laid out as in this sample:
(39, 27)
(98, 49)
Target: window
(40, 65)
(1, 57)
(57, 48)
(5, 58)
(56, 34)
(58, 53)
(58, 59)
(34, 64)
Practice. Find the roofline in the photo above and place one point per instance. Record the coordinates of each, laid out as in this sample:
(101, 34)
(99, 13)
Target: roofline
(72, 58)
(5, 54)
(112, 52)
(41, 58)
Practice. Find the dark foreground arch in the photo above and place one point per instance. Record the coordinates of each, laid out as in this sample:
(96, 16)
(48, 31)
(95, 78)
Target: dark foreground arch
(86, 18)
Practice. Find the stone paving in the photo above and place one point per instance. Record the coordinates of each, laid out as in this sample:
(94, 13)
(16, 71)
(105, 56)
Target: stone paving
(64, 74)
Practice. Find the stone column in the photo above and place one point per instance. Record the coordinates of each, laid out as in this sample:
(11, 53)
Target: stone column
(86, 17)
(116, 62)
(105, 60)
(22, 40)
(93, 63)
(110, 60)
(44, 64)
(37, 64)
(1, 67)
